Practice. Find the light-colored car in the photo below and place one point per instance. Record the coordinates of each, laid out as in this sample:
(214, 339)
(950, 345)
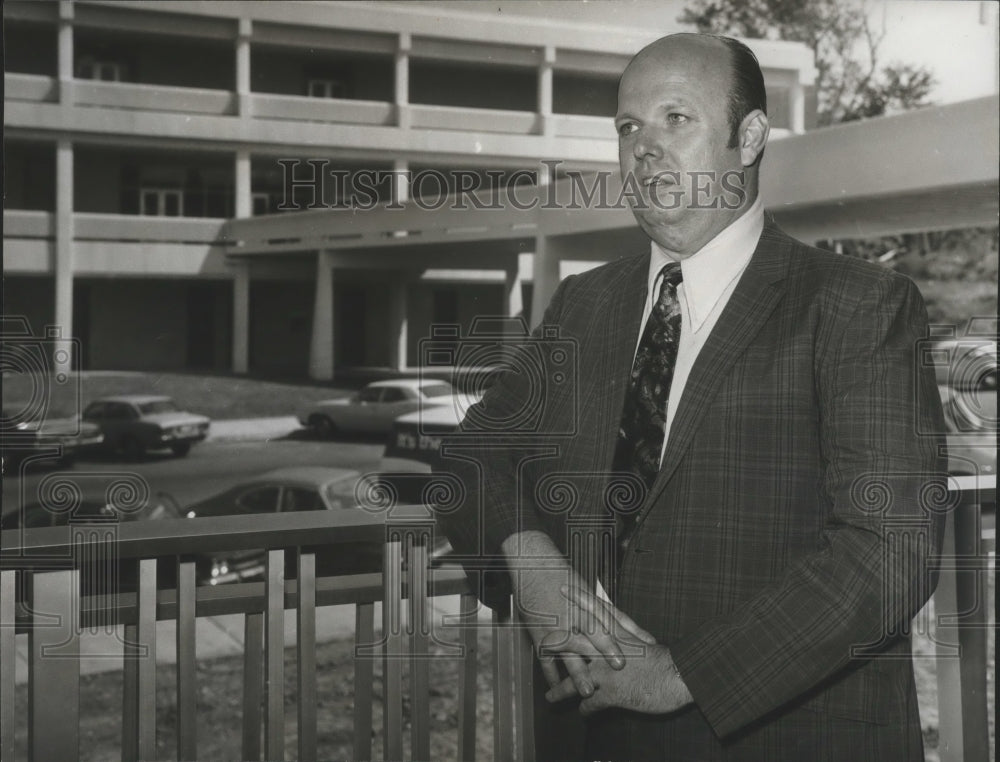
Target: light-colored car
(24, 439)
(135, 423)
(374, 408)
(967, 382)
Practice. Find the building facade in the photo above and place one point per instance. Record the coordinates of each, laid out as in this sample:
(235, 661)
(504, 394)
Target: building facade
(149, 145)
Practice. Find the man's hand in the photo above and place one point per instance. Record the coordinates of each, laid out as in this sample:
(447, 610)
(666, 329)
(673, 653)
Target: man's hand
(559, 627)
(650, 684)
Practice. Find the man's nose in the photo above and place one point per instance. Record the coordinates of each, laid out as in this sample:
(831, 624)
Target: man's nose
(647, 145)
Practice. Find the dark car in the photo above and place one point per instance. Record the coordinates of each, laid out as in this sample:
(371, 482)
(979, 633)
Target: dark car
(296, 488)
(135, 423)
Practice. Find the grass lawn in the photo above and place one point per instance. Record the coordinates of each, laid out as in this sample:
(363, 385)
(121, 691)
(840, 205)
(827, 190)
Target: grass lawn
(218, 396)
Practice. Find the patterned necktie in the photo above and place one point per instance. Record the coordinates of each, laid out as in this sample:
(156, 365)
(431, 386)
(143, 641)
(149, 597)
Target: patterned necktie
(640, 437)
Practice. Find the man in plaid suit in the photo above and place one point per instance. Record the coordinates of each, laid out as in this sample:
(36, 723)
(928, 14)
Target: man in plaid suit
(760, 587)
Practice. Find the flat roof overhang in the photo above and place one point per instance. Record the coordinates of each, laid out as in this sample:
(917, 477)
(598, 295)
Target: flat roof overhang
(931, 169)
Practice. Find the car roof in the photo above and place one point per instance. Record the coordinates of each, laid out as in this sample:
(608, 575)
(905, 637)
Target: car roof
(311, 475)
(134, 399)
(409, 383)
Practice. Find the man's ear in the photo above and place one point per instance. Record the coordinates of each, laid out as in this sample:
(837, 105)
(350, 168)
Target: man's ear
(754, 130)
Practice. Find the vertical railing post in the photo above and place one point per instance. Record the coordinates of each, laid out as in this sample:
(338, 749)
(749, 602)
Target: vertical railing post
(253, 677)
(306, 637)
(392, 637)
(364, 676)
(187, 692)
(146, 666)
(8, 660)
(274, 656)
(417, 559)
(960, 608)
(54, 667)
(503, 685)
(469, 635)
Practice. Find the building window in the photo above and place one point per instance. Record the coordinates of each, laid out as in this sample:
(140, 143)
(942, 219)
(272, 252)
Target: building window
(325, 88)
(104, 71)
(161, 202)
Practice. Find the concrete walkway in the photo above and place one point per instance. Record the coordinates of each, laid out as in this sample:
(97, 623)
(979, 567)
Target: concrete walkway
(253, 429)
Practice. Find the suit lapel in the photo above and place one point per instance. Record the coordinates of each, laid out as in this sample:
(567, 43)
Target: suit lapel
(752, 301)
(615, 326)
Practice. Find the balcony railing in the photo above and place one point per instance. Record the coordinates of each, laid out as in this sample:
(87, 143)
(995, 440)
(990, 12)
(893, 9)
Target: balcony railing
(39, 594)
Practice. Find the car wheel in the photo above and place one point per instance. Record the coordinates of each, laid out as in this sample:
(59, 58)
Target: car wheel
(323, 426)
(180, 449)
(133, 448)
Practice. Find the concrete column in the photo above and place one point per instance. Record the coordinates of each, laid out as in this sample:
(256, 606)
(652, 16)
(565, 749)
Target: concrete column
(242, 186)
(243, 33)
(65, 62)
(403, 80)
(398, 325)
(545, 123)
(63, 265)
(512, 290)
(797, 107)
(545, 277)
(241, 318)
(321, 350)
(400, 181)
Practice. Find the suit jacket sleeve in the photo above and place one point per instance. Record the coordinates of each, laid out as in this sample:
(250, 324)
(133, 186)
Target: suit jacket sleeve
(872, 571)
(486, 459)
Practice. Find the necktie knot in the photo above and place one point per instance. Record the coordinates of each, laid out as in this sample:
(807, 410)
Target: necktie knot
(672, 276)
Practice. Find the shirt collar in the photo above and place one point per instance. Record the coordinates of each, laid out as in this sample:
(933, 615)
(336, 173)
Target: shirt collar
(710, 270)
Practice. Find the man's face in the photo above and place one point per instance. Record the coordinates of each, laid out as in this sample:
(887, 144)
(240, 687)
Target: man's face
(673, 136)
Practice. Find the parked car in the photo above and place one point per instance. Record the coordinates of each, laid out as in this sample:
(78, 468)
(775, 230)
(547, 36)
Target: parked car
(36, 514)
(135, 423)
(20, 439)
(412, 450)
(376, 406)
(294, 488)
(967, 383)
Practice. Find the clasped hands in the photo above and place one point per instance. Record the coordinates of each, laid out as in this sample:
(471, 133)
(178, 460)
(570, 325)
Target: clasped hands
(587, 635)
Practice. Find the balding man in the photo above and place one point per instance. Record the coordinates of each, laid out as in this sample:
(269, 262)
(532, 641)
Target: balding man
(764, 399)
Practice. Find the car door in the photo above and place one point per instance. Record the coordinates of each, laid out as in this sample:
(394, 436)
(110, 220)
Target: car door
(363, 410)
(396, 401)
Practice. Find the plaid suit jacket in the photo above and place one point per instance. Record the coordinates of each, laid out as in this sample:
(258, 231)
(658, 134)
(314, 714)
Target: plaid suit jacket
(786, 542)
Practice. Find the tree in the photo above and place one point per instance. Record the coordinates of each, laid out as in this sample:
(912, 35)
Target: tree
(851, 82)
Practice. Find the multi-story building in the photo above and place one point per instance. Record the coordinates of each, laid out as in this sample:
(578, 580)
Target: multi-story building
(137, 132)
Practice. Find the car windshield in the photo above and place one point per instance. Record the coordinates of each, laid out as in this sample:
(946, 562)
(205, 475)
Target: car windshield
(436, 390)
(158, 406)
(340, 492)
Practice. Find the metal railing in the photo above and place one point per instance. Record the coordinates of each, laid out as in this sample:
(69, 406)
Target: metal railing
(39, 594)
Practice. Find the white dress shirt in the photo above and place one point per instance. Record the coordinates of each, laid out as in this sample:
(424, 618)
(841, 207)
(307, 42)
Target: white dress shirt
(710, 276)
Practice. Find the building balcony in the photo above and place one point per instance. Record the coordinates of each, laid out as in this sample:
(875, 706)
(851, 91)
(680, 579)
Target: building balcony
(138, 111)
(108, 244)
(40, 599)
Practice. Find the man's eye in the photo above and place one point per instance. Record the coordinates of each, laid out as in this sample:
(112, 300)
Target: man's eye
(676, 118)
(626, 129)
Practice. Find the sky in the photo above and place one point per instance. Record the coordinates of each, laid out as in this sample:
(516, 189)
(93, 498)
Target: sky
(955, 39)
